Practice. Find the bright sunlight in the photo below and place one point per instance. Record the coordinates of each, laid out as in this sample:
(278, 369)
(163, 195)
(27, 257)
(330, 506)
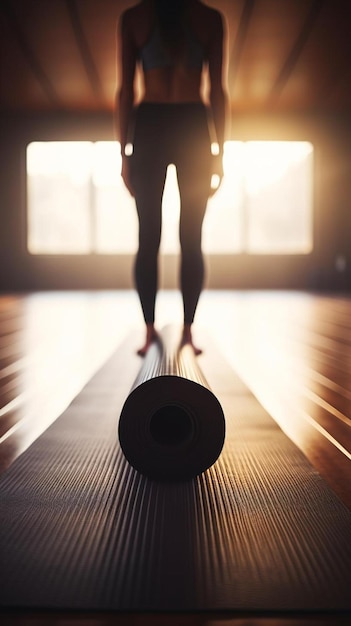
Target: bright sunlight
(78, 204)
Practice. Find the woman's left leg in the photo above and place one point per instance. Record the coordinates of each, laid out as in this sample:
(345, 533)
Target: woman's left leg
(193, 207)
(194, 185)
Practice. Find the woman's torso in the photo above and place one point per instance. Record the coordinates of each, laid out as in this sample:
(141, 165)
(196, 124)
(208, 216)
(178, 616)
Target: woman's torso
(168, 79)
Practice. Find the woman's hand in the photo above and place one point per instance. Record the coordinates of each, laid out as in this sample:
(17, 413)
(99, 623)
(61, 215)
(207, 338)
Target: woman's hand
(216, 173)
(125, 173)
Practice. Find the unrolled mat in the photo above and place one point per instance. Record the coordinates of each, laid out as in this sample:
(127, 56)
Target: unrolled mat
(81, 529)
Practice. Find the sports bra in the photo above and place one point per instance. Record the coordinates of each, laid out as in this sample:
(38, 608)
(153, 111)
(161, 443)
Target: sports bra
(154, 53)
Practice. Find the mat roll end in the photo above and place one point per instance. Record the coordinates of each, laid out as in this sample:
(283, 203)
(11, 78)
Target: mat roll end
(171, 428)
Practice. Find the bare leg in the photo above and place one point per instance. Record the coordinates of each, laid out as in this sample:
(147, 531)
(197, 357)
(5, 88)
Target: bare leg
(151, 336)
(187, 339)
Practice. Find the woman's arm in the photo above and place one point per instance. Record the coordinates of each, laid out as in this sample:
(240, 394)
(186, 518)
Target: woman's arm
(124, 103)
(217, 66)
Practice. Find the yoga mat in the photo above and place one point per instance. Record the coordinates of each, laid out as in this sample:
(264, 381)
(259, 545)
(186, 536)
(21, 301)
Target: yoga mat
(83, 530)
(171, 426)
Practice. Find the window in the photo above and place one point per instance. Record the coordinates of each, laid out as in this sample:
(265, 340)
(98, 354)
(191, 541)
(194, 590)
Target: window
(77, 202)
(278, 197)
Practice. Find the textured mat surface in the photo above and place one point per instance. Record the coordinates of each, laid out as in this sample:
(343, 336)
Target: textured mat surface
(81, 529)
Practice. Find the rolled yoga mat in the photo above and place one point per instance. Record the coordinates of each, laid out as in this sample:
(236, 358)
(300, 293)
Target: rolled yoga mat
(171, 426)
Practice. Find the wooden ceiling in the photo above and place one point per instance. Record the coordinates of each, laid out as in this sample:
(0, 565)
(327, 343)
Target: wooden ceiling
(284, 55)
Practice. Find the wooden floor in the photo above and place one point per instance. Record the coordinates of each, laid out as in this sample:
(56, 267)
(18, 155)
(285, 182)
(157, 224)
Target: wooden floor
(292, 349)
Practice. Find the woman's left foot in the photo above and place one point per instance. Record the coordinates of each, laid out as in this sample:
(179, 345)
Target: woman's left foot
(151, 337)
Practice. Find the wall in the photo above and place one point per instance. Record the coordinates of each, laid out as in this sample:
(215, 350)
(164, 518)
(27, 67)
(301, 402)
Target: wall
(331, 137)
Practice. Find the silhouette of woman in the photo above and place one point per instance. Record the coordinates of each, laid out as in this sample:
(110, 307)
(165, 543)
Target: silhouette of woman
(174, 44)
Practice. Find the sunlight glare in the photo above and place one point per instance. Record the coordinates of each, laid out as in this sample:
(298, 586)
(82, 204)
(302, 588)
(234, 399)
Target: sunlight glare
(170, 212)
(128, 149)
(71, 159)
(215, 180)
(78, 203)
(107, 163)
(266, 162)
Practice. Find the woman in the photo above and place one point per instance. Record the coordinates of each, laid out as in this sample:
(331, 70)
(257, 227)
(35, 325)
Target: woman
(172, 43)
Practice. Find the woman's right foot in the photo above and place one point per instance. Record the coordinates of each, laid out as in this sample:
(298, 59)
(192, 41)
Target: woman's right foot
(151, 336)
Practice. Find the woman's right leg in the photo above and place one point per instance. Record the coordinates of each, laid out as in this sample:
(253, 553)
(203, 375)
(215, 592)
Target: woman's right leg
(148, 197)
(148, 180)
(148, 173)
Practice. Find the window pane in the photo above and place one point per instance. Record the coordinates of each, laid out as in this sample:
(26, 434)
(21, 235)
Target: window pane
(279, 177)
(116, 227)
(224, 219)
(58, 192)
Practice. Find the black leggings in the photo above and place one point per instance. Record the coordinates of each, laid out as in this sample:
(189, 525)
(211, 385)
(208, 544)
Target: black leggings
(165, 134)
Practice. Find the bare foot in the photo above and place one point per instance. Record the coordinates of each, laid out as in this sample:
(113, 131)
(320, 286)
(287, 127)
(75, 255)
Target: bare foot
(151, 336)
(187, 339)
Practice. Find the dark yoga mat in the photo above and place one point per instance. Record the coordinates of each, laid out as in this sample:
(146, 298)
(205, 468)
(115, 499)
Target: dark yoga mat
(81, 529)
(172, 426)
